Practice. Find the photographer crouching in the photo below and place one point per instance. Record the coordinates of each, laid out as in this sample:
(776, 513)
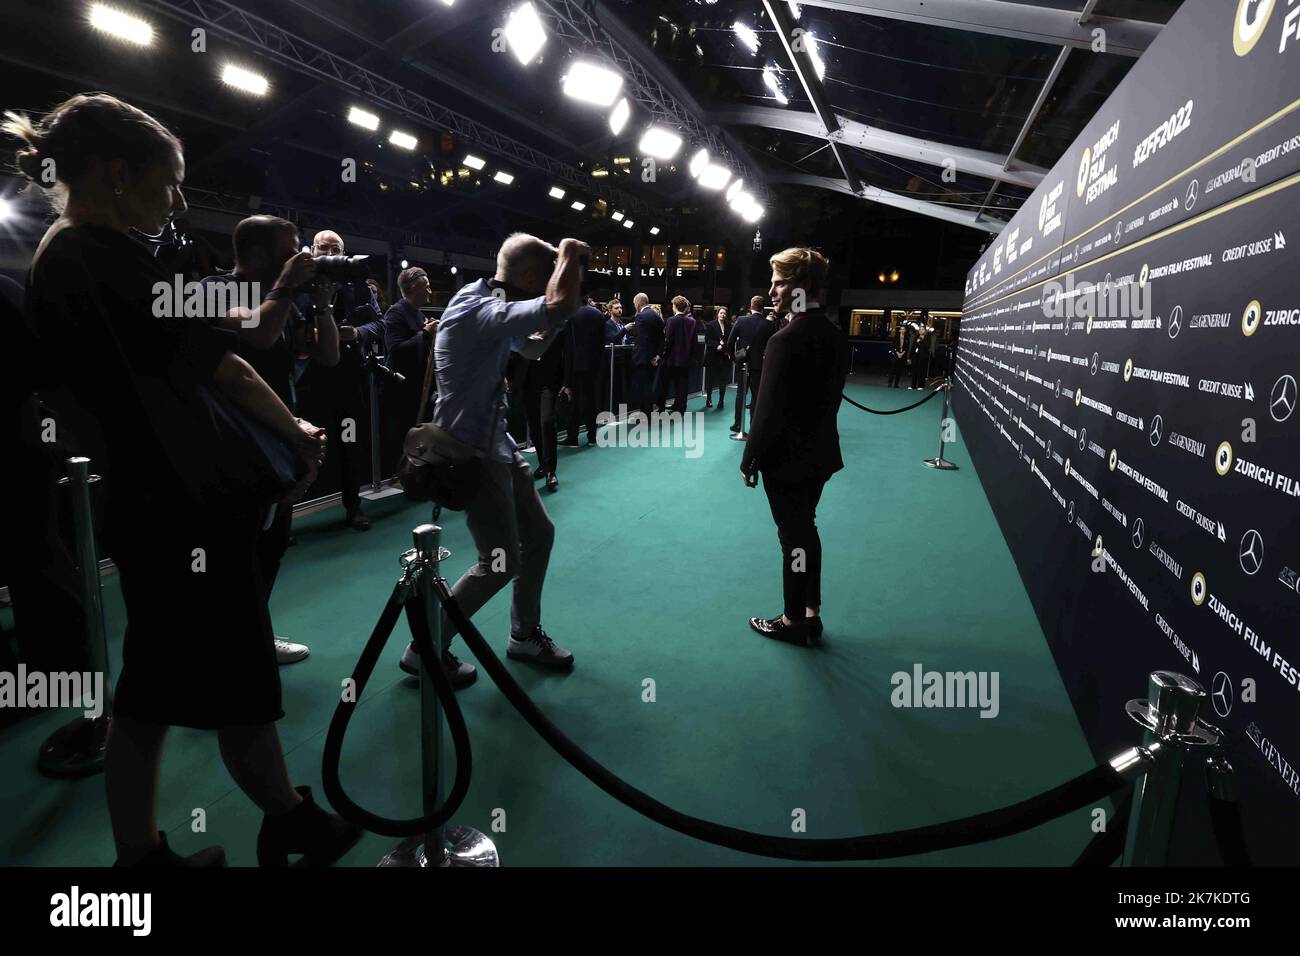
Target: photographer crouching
(535, 291)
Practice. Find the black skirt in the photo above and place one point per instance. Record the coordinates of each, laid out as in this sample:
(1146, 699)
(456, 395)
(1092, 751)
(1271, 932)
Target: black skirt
(199, 650)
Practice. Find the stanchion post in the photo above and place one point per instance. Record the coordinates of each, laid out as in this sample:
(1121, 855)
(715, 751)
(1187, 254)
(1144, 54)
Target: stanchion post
(1171, 725)
(743, 398)
(376, 479)
(940, 462)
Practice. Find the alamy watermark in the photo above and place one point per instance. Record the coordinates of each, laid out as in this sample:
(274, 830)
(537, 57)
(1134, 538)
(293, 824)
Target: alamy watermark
(656, 430)
(39, 690)
(206, 300)
(1096, 300)
(950, 689)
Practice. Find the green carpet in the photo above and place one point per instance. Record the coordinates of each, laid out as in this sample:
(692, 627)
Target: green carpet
(659, 561)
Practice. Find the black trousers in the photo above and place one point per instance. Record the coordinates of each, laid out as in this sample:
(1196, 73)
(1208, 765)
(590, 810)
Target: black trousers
(341, 403)
(794, 509)
(715, 376)
(919, 364)
(677, 381)
(582, 405)
(539, 403)
(896, 373)
(640, 388)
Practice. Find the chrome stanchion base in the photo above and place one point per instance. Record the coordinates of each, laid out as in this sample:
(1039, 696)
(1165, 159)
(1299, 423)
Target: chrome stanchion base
(76, 749)
(465, 847)
(941, 463)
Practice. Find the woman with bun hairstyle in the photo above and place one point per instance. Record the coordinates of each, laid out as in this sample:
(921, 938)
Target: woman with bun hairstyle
(793, 440)
(198, 649)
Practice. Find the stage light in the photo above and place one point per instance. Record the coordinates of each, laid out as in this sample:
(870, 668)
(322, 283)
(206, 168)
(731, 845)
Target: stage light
(753, 213)
(578, 206)
(773, 84)
(556, 192)
(660, 143)
(590, 83)
(628, 224)
(404, 140)
(810, 43)
(618, 118)
(115, 23)
(733, 189)
(746, 35)
(740, 200)
(505, 179)
(453, 270)
(698, 162)
(654, 230)
(617, 217)
(473, 162)
(714, 176)
(363, 119)
(245, 80)
(525, 33)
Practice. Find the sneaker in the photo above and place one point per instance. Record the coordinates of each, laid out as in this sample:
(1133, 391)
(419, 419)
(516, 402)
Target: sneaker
(537, 648)
(287, 652)
(458, 672)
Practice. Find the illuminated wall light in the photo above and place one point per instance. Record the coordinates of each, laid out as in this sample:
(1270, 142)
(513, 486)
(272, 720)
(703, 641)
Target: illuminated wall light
(115, 23)
(881, 277)
(578, 206)
(473, 162)
(774, 85)
(617, 217)
(660, 143)
(404, 140)
(618, 118)
(733, 189)
(245, 80)
(746, 35)
(893, 276)
(505, 179)
(556, 192)
(360, 117)
(589, 83)
(600, 172)
(714, 176)
(525, 33)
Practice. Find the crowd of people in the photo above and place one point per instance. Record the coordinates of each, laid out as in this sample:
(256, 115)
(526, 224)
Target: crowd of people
(201, 432)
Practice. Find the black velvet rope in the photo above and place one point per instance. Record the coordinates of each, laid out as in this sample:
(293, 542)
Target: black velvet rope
(894, 411)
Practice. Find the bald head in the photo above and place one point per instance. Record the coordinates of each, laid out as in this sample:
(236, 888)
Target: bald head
(327, 242)
(640, 301)
(526, 263)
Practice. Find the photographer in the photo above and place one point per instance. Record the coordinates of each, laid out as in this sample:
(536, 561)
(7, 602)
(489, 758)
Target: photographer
(198, 649)
(520, 310)
(270, 338)
(794, 441)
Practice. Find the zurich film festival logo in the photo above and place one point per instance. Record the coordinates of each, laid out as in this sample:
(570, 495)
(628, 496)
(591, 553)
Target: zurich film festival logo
(1249, 24)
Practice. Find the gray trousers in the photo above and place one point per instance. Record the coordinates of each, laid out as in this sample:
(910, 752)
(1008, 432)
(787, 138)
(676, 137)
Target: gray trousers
(513, 534)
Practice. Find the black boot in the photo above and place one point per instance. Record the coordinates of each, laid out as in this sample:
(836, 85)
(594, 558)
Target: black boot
(164, 857)
(319, 836)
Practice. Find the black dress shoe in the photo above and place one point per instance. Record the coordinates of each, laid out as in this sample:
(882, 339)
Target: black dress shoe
(539, 474)
(321, 837)
(552, 483)
(799, 633)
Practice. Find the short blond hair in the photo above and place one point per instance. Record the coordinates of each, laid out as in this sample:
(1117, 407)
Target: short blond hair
(519, 251)
(805, 267)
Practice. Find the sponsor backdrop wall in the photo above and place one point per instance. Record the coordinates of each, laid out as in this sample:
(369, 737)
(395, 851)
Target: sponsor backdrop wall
(1127, 388)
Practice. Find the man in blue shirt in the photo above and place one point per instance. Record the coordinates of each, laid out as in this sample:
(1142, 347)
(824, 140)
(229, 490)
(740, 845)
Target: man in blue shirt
(535, 291)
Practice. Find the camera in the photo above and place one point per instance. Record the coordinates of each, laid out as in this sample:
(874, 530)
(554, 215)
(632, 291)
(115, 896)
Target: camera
(342, 267)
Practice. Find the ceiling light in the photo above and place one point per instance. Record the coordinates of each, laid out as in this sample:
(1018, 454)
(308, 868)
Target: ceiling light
(504, 178)
(654, 230)
(753, 213)
(361, 118)
(618, 118)
(245, 80)
(525, 33)
(556, 192)
(746, 35)
(714, 176)
(617, 217)
(592, 84)
(740, 200)
(660, 143)
(404, 140)
(627, 224)
(406, 264)
(121, 25)
(810, 44)
(578, 206)
(473, 162)
(733, 189)
(698, 162)
(773, 84)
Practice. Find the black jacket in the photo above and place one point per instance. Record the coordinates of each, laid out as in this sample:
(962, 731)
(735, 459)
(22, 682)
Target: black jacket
(758, 347)
(585, 345)
(647, 336)
(742, 332)
(714, 337)
(794, 435)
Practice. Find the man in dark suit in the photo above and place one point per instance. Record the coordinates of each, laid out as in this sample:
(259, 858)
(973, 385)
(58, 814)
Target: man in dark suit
(793, 440)
(738, 343)
(675, 362)
(648, 343)
(585, 348)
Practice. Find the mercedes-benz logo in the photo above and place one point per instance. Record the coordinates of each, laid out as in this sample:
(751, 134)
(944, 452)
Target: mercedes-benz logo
(1083, 438)
(1093, 368)
(1069, 513)
(1157, 427)
(1221, 694)
(1282, 402)
(1193, 192)
(1175, 321)
(1138, 529)
(1251, 553)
